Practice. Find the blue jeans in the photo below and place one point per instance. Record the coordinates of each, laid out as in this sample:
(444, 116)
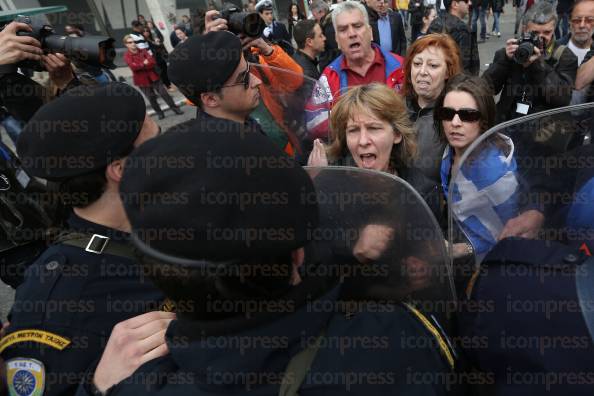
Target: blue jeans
(476, 13)
(562, 28)
(404, 16)
(496, 22)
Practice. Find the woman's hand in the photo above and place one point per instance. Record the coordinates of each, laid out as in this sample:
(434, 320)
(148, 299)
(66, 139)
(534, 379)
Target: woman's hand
(318, 157)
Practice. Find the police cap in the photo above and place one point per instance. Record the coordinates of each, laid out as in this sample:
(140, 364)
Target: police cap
(81, 131)
(222, 196)
(263, 5)
(203, 63)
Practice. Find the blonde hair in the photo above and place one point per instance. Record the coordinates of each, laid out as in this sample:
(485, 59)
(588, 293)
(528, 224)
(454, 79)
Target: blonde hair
(381, 102)
(126, 37)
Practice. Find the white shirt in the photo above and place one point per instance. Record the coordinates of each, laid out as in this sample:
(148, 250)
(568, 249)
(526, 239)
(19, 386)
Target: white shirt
(579, 52)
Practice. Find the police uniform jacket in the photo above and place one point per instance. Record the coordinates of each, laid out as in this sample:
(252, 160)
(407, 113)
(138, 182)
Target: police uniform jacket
(378, 351)
(65, 309)
(523, 326)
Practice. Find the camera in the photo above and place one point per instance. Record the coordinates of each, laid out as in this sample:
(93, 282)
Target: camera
(526, 44)
(248, 23)
(93, 50)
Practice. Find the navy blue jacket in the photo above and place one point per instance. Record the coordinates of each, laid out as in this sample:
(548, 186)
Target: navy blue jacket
(524, 324)
(78, 297)
(382, 350)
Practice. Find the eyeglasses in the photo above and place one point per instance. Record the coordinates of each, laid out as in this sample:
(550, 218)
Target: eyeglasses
(578, 20)
(244, 78)
(466, 115)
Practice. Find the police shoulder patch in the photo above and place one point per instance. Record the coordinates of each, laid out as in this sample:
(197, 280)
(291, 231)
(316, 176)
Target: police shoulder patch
(25, 377)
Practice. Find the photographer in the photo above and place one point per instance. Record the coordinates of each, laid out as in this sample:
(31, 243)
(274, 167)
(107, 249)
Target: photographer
(15, 49)
(533, 73)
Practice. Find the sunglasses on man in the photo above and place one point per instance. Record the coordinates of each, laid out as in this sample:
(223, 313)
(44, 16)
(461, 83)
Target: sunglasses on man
(466, 115)
(243, 78)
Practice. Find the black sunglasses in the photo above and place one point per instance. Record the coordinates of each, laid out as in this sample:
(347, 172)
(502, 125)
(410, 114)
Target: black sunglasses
(244, 79)
(466, 115)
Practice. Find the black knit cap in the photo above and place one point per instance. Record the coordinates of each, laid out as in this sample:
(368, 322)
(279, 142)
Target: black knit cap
(81, 131)
(203, 63)
(216, 196)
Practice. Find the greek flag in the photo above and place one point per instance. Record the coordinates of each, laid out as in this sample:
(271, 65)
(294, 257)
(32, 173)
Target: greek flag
(485, 193)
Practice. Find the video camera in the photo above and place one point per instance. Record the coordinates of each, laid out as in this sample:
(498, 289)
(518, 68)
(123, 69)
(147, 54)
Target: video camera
(93, 50)
(526, 44)
(248, 23)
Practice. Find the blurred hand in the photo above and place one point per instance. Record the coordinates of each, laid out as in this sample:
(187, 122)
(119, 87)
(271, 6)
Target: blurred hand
(145, 61)
(373, 242)
(256, 42)
(318, 157)
(3, 329)
(132, 343)
(213, 22)
(511, 45)
(535, 56)
(59, 69)
(15, 48)
(525, 225)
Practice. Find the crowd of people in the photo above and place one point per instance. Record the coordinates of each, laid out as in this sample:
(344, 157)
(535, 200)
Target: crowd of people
(190, 261)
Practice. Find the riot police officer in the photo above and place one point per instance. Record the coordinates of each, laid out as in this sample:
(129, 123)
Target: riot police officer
(257, 309)
(87, 280)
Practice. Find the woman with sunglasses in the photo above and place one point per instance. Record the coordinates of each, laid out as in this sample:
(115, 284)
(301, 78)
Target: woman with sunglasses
(371, 130)
(431, 60)
(485, 189)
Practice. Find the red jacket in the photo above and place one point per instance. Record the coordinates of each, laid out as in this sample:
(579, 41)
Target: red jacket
(333, 82)
(142, 74)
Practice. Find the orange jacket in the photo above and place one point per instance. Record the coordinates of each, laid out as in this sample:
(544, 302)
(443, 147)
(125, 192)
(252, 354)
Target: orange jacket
(284, 83)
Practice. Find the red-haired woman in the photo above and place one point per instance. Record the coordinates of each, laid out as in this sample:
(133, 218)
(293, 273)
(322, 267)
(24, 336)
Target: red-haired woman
(430, 61)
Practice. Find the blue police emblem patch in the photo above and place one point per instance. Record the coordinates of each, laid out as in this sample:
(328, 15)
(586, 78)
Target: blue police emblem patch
(25, 377)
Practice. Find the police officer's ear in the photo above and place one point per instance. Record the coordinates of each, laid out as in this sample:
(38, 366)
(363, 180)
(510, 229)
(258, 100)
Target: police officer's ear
(297, 257)
(210, 99)
(115, 170)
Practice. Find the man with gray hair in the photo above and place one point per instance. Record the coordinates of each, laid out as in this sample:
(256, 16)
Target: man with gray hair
(532, 73)
(362, 62)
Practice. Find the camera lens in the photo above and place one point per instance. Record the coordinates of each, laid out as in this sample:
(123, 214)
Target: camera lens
(524, 52)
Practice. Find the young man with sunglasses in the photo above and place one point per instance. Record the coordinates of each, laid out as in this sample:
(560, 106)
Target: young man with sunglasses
(452, 23)
(225, 91)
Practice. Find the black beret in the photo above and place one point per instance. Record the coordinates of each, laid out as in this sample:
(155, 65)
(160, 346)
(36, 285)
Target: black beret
(203, 63)
(81, 131)
(201, 195)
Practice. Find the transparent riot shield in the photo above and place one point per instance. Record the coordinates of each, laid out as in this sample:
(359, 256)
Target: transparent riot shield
(292, 110)
(523, 178)
(379, 231)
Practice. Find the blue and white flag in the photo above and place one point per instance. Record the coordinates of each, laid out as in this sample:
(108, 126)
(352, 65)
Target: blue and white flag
(485, 193)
